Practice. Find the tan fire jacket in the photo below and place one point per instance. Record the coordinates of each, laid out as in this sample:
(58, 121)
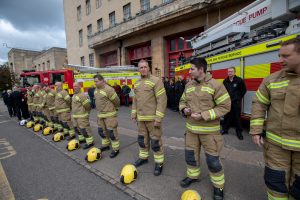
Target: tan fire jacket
(50, 99)
(81, 106)
(150, 100)
(43, 104)
(107, 102)
(29, 96)
(37, 99)
(208, 97)
(276, 105)
(62, 102)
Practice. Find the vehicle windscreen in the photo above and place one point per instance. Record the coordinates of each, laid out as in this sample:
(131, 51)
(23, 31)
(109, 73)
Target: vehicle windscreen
(30, 80)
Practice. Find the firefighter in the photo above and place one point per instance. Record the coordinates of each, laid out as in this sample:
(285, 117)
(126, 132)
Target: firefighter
(63, 109)
(29, 96)
(148, 109)
(81, 107)
(277, 106)
(43, 109)
(237, 89)
(203, 102)
(49, 99)
(107, 104)
(36, 103)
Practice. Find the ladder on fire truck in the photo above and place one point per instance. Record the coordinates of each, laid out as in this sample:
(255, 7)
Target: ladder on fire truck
(260, 21)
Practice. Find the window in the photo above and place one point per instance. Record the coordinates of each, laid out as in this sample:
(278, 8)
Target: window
(100, 24)
(172, 45)
(127, 11)
(180, 44)
(98, 3)
(145, 4)
(91, 58)
(80, 38)
(48, 64)
(188, 41)
(112, 19)
(89, 29)
(82, 61)
(167, 1)
(57, 78)
(88, 7)
(78, 13)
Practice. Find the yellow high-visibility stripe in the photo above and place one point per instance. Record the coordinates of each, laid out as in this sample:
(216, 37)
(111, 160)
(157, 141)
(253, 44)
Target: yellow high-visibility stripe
(52, 108)
(183, 97)
(222, 98)
(218, 180)
(208, 89)
(277, 85)
(143, 154)
(191, 89)
(271, 197)
(203, 128)
(159, 114)
(150, 83)
(103, 93)
(113, 96)
(83, 115)
(283, 141)
(59, 95)
(86, 102)
(105, 142)
(63, 110)
(158, 158)
(115, 145)
(160, 92)
(257, 122)
(107, 114)
(67, 97)
(50, 94)
(89, 140)
(193, 172)
(146, 118)
(133, 111)
(212, 114)
(262, 98)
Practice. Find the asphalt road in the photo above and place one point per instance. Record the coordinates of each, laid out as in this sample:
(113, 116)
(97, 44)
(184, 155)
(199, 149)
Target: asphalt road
(35, 170)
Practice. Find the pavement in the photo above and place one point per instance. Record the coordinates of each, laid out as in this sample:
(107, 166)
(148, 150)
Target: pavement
(242, 161)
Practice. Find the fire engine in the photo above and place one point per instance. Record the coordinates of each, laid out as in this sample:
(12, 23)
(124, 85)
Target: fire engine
(82, 74)
(249, 41)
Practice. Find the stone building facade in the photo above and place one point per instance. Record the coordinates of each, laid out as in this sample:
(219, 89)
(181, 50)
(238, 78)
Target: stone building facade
(111, 32)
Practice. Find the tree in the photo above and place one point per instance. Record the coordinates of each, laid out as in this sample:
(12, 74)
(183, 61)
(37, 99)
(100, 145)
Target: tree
(7, 77)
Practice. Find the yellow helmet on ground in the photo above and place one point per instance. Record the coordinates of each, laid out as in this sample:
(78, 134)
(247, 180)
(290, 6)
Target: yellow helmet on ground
(47, 131)
(128, 174)
(190, 195)
(73, 145)
(58, 137)
(37, 127)
(93, 154)
(29, 124)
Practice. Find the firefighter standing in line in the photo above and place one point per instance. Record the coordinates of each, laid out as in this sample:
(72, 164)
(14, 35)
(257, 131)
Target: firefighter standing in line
(107, 104)
(277, 106)
(36, 103)
(29, 96)
(81, 107)
(237, 89)
(148, 109)
(43, 109)
(63, 109)
(49, 101)
(203, 102)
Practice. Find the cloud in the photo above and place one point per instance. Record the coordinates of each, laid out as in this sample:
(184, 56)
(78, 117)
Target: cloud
(31, 24)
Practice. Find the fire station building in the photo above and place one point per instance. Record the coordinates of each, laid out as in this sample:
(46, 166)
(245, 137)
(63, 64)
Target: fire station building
(112, 32)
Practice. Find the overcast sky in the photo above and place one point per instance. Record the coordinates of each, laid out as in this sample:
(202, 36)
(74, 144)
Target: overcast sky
(31, 24)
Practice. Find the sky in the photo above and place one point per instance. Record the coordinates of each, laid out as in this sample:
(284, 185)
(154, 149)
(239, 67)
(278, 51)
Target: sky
(31, 24)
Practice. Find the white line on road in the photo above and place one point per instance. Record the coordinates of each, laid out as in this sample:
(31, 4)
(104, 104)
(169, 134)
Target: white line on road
(4, 121)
